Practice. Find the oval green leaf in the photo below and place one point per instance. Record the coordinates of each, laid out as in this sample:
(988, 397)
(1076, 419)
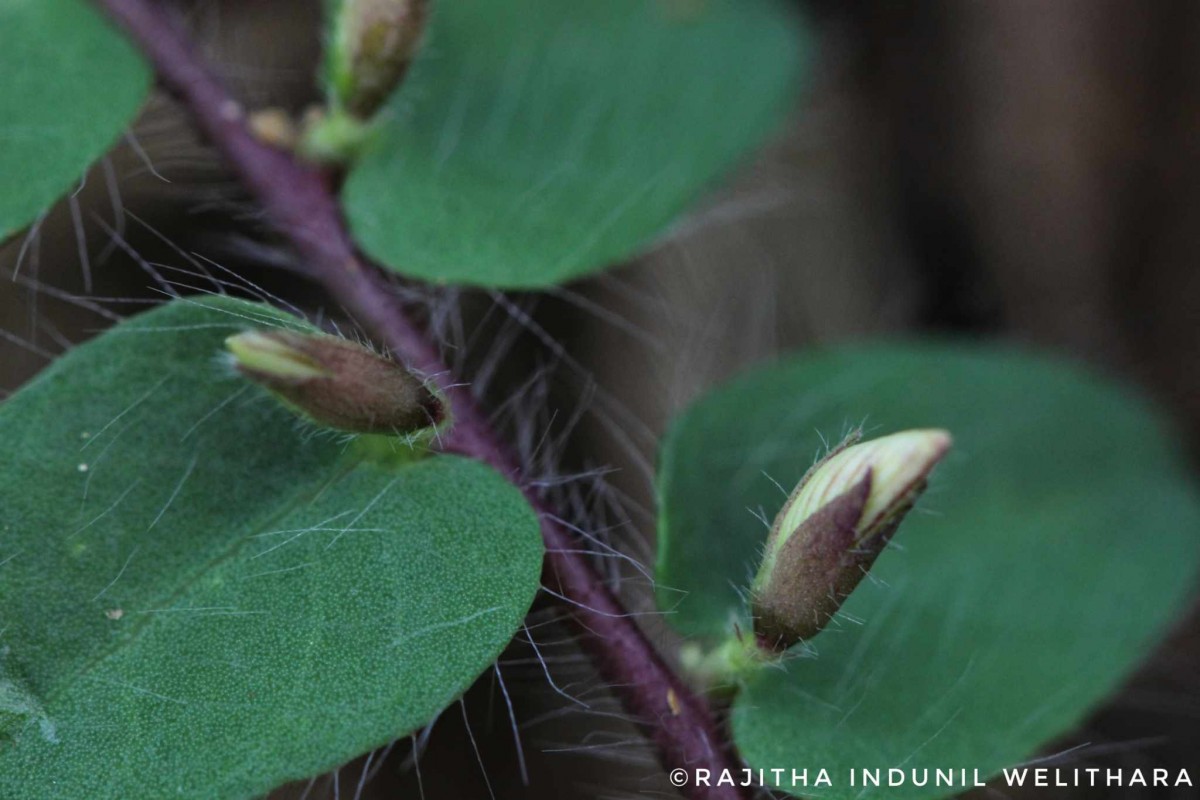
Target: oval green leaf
(538, 140)
(71, 84)
(201, 597)
(1056, 542)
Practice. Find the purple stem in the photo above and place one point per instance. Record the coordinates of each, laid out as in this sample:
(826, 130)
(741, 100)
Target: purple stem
(298, 201)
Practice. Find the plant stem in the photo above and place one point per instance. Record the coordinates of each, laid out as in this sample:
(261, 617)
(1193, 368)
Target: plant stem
(297, 199)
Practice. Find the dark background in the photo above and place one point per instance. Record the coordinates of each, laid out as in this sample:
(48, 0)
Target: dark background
(1023, 169)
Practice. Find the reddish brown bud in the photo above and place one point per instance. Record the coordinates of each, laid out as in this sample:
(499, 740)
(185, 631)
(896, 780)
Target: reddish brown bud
(833, 527)
(337, 383)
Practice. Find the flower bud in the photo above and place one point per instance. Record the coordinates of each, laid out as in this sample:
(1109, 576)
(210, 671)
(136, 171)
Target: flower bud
(374, 41)
(336, 383)
(833, 527)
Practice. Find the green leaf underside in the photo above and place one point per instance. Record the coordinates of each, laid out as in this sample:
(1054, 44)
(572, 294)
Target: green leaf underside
(1055, 543)
(71, 84)
(282, 607)
(540, 140)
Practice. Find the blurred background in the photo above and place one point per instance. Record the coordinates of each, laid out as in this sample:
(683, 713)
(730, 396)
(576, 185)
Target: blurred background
(1018, 169)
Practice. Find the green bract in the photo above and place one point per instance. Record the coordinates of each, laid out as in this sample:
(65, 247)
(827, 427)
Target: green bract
(202, 597)
(1053, 546)
(71, 84)
(538, 140)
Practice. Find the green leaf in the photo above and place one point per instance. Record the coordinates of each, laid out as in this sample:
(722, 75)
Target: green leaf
(71, 85)
(539, 140)
(201, 597)
(1055, 543)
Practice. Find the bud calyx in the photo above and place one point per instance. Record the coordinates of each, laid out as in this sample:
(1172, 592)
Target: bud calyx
(833, 527)
(337, 383)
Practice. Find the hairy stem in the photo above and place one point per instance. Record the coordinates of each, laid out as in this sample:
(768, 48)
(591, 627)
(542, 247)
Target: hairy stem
(299, 203)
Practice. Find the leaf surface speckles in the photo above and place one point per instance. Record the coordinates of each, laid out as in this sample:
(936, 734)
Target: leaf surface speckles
(202, 597)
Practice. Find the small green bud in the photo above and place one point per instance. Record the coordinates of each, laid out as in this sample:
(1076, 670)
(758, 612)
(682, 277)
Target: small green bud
(374, 41)
(334, 137)
(337, 383)
(722, 669)
(833, 527)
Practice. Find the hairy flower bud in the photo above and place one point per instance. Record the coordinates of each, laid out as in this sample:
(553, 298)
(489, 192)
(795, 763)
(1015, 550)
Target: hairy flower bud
(834, 526)
(374, 41)
(337, 383)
